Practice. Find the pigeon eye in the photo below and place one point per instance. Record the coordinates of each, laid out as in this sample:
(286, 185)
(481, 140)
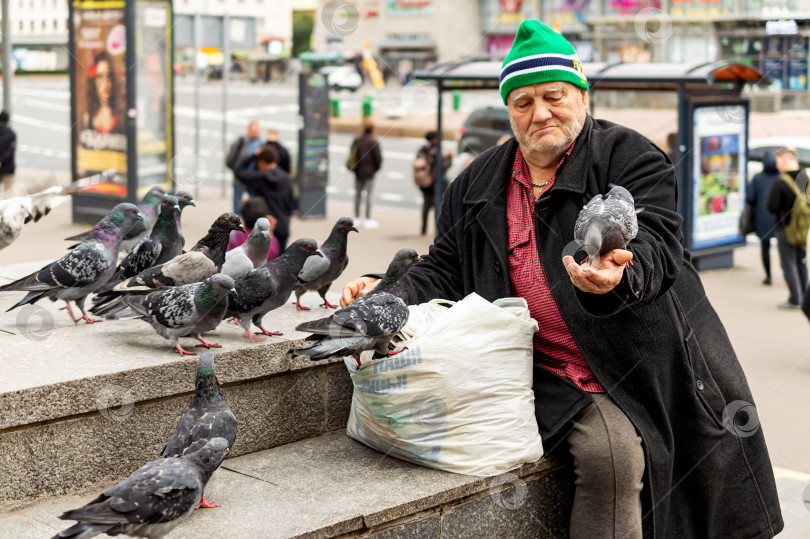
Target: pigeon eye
(233, 220)
(345, 223)
(131, 211)
(412, 256)
(308, 247)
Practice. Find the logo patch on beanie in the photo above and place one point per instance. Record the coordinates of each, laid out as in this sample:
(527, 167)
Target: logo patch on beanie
(578, 67)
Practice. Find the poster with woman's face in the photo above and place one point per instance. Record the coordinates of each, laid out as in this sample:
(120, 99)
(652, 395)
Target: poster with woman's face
(100, 93)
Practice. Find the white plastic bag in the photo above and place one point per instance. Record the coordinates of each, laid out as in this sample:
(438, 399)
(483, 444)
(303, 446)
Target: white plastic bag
(459, 398)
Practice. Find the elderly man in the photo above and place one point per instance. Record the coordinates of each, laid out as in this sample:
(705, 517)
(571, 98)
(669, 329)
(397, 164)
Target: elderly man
(635, 376)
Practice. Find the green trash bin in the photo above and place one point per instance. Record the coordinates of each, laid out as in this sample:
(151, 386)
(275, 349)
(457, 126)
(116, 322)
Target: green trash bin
(367, 106)
(456, 99)
(335, 107)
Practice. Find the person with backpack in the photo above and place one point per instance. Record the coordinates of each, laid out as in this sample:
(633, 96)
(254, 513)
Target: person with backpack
(424, 168)
(242, 148)
(365, 160)
(792, 220)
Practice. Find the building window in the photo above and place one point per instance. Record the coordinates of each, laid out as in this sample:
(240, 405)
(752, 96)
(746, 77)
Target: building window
(32, 25)
(22, 25)
(55, 24)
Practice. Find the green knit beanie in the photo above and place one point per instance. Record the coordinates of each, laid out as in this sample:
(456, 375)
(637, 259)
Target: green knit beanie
(539, 54)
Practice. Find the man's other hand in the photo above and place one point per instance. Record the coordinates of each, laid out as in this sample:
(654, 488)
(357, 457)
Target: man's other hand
(357, 288)
(603, 277)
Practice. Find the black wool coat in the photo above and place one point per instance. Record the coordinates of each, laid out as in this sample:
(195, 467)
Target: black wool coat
(655, 343)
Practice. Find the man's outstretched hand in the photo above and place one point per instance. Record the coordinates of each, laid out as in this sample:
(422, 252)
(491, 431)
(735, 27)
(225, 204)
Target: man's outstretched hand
(357, 288)
(603, 277)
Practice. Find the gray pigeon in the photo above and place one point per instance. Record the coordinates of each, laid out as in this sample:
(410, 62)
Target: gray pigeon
(149, 208)
(605, 223)
(84, 269)
(252, 253)
(151, 502)
(185, 199)
(204, 260)
(268, 287)
(181, 311)
(319, 273)
(368, 323)
(209, 416)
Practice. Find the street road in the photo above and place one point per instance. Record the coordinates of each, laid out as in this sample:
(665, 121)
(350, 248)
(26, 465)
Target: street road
(41, 118)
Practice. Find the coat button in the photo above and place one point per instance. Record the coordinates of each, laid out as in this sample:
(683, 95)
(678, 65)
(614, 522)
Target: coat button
(497, 267)
(699, 385)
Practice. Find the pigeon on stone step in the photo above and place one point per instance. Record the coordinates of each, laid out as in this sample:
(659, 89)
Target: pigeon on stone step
(605, 223)
(151, 502)
(318, 274)
(268, 287)
(209, 416)
(185, 199)
(17, 211)
(252, 253)
(181, 311)
(149, 209)
(204, 259)
(368, 323)
(84, 269)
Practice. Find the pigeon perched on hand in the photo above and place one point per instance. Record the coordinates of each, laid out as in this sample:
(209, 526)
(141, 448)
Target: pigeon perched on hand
(319, 273)
(369, 323)
(204, 259)
(151, 502)
(252, 253)
(180, 311)
(607, 222)
(209, 416)
(84, 269)
(268, 287)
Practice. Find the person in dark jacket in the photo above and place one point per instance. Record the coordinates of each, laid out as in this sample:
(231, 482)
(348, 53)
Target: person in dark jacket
(634, 376)
(780, 204)
(369, 161)
(757, 196)
(274, 140)
(8, 147)
(430, 151)
(272, 184)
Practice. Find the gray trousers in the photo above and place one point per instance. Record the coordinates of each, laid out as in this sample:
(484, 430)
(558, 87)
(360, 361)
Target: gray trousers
(360, 185)
(609, 468)
(794, 267)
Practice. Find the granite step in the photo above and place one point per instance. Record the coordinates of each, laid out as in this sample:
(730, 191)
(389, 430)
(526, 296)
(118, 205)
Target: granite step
(332, 486)
(81, 406)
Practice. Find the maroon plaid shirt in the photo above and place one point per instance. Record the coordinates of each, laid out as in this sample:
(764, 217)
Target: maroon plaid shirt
(557, 350)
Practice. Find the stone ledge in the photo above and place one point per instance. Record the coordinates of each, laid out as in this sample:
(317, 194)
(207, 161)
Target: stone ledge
(332, 486)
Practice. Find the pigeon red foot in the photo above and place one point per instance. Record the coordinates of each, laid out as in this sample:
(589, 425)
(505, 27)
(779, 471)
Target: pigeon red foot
(327, 305)
(82, 317)
(179, 349)
(270, 333)
(206, 344)
(251, 337)
(298, 305)
(206, 504)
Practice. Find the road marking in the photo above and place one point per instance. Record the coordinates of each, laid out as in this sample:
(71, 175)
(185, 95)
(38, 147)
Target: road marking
(392, 197)
(36, 122)
(50, 105)
(396, 175)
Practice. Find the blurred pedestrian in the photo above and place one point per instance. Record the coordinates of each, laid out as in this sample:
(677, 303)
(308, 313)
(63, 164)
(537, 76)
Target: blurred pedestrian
(429, 152)
(365, 158)
(672, 148)
(251, 210)
(242, 148)
(8, 146)
(266, 179)
(274, 140)
(757, 196)
(780, 203)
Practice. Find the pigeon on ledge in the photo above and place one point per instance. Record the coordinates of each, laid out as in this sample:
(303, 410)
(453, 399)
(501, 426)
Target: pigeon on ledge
(84, 269)
(151, 502)
(368, 323)
(209, 416)
(319, 273)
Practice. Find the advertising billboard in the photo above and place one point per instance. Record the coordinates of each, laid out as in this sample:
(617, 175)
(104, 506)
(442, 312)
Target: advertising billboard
(719, 146)
(153, 50)
(98, 92)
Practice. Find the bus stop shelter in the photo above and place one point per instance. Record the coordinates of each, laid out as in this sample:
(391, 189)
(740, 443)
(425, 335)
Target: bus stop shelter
(712, 129)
